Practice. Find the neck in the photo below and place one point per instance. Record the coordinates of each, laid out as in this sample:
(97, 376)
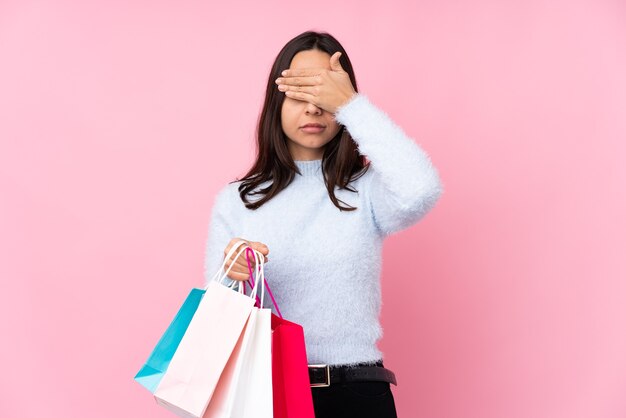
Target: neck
(309, 168)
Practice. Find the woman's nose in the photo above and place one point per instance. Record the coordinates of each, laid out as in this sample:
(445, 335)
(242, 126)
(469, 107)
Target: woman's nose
(311, 108)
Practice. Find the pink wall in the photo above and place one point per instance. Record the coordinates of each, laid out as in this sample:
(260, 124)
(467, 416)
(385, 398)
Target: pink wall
(119, 121)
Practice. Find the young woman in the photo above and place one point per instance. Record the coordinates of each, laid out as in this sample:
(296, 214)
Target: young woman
(324, 211)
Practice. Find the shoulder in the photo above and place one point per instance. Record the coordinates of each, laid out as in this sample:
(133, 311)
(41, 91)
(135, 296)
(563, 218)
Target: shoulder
(230, 189)
(226, 195)
(229, 196)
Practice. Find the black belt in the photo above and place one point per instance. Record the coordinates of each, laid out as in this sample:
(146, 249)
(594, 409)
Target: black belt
(322, 375)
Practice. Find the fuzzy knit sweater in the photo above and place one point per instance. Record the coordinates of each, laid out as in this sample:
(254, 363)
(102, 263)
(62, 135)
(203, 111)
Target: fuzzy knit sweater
(324, 265)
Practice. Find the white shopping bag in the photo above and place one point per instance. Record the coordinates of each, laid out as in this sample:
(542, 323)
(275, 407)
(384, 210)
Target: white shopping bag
(254, 395)
(245, 387)
(223, 400)
(214, 334)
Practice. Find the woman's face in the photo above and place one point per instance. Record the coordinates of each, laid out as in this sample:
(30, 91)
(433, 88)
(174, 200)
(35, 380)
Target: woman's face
(296, 113)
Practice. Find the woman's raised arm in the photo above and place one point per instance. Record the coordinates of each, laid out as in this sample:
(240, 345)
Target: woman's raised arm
(404, 184)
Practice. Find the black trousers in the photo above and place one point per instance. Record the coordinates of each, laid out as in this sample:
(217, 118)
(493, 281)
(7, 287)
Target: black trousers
(354, 399)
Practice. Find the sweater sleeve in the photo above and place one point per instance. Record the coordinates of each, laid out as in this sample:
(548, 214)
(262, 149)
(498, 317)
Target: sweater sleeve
(221, 231)
(404, 184)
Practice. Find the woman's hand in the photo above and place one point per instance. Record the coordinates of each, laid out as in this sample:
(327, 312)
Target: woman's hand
(240, 270)
(327, 89)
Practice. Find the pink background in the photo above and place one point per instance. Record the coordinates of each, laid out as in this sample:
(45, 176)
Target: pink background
(119, 121)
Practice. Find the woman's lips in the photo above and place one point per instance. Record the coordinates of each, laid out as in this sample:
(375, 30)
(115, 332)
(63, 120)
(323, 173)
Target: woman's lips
(313, 129)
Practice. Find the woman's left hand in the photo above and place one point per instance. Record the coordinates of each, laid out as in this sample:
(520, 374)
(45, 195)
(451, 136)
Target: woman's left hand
(327, 89)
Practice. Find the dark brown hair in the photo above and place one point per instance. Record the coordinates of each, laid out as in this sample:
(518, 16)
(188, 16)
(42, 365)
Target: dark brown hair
(341, 162)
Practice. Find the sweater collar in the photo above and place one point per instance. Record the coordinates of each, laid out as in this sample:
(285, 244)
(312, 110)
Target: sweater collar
(310, 168)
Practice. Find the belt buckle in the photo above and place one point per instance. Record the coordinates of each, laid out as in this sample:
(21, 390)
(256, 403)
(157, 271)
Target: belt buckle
(327, 382)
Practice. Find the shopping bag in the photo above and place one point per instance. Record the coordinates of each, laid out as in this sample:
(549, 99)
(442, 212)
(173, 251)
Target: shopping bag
(253, 394)
(254, 397)
(222, 401)
(291, 385)
(290, 372)
(213, 335)
(151, 373)
(244, 389)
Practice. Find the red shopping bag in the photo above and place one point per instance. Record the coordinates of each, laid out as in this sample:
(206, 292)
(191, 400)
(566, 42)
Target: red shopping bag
(291, 385)
(290, 372)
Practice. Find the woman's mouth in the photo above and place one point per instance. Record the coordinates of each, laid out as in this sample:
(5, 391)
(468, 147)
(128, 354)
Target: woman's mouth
(313, 128)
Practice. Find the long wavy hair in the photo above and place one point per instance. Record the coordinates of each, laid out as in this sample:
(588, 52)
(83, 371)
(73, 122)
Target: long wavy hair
(341, 162)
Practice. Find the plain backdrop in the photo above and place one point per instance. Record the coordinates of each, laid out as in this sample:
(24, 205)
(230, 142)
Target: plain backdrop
(120, 120)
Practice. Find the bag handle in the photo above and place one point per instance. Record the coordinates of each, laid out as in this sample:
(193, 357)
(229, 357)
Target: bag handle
(256, 255)
(256, 258)
(261, 266)
(227, 257)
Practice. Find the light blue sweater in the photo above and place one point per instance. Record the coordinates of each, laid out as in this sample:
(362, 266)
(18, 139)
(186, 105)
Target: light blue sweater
(324, 264)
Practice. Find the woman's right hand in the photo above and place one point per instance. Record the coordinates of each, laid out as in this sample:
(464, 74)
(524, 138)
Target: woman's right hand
(240, 270)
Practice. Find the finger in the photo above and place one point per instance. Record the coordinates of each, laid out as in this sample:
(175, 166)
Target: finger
(252, 259)
(313, 80)
(236, 250)
(300, 95)
(255, 246)
(241, 260)
(310, 90)
(243, 263)
(298, 72)
(242, 267)
(233, 242)
(235, 275)
(237, 267)
(335, 65)
(259, 246)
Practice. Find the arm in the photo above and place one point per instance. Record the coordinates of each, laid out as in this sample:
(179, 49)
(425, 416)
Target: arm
(219, 235)
(404, 185)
